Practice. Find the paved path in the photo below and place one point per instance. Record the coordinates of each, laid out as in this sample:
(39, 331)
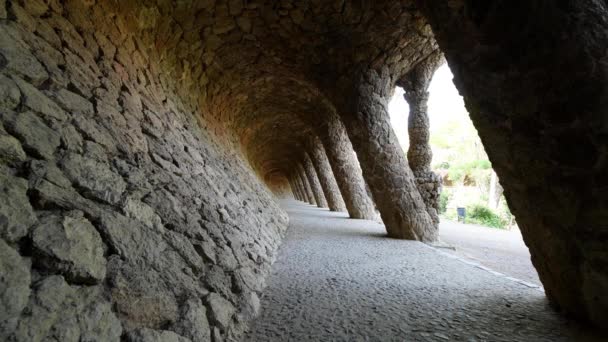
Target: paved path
(338, 279)
(501, 250)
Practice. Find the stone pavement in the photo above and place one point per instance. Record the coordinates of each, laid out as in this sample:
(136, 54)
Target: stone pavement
(338, 279)
(499, 249)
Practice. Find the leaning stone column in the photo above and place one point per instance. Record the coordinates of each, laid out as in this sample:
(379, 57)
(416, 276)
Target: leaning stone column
(301, 190)
(419, 155)
(326, 176)
(542, 118)
(310, 198)
(343, 164)
(313, 180)
(383, 163)
(294, 189)
(300, 187)
(296, 181)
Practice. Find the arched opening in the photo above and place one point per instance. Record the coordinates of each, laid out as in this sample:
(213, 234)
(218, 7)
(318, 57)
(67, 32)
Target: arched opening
(146, 147)
(487, 233)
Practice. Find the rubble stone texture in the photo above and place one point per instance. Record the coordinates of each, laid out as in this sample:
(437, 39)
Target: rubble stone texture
(311, 198)
(419, 155)
(546, 137)
(71, 246)
(295, 189)
(348, 175)
(300, 186)
(326, 176)
(123, 213)
(384, 166)
(313, 180)
(152, 139)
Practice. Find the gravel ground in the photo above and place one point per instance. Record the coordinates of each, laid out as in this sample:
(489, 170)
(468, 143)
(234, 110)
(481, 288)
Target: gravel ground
(338, 279)
(501, 250)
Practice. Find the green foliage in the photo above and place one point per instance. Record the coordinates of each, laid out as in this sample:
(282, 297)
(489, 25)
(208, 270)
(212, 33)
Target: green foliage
(457, 171)
(444, 166)
(444, 198)
(459, 156)
(485, 216)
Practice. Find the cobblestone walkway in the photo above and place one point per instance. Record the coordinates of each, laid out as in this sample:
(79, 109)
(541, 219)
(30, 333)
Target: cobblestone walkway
(338, 279)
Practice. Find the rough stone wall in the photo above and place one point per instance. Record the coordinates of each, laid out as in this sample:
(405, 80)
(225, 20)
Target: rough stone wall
(132, 119)
(279, 187)
(119, 214)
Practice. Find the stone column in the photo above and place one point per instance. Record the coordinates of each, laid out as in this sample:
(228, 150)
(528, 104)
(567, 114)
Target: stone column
(542, 118)
(419, 155)
(313, 180)
(326, 176)
(300, 187)
(310, 198)
(294, 189)
(293, 192)
(383, 163)
(301, 191)
(343, 164)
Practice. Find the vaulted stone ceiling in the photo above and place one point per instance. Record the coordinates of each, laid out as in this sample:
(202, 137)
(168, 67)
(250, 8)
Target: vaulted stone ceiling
(258, 63)
(145, 118)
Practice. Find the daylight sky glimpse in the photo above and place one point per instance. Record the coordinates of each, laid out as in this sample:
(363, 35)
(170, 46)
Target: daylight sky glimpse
(444, 103)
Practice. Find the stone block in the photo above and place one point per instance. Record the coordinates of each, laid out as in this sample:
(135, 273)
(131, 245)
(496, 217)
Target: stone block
(16, 213)
(37, 138)
(50, 189)
(11, 152)
(3, 12)
(60, 312)
(96, 179)
(74, 103)
(38, 102)
(193, 323)
(71, 246)
(150, 335)
(143, 296)
(220, 309)
(16, 58)
(10, 96)
(15, 285)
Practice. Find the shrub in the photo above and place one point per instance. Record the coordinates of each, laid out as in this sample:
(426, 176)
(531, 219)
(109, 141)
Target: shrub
(444, 198)
(483, 215)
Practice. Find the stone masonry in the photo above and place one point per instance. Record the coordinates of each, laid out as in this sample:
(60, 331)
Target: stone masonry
(144, 146)
(120, 215)
(419, 155)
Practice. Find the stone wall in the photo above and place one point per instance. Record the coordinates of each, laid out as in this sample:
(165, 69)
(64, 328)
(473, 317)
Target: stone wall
(119, 214)
(135, 134)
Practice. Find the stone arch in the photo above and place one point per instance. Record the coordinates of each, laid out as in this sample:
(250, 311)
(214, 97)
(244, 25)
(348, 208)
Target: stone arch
(160, 128)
